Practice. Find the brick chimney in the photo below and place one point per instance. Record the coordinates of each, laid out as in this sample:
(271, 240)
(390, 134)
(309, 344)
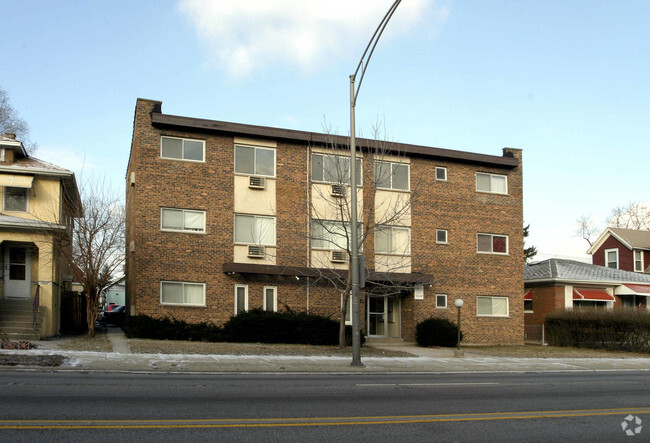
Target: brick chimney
(10, 135)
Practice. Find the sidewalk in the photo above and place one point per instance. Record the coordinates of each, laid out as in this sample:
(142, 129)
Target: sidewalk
(424, 360)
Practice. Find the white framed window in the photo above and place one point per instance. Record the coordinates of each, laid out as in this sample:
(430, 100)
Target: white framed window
(638, 261)
(348, 312)
(492, 183)
(182, 293)
(330, 234)
(328, 168)
(253, 160)
(271, 298)
(182, 149)
(15, 199)
(492, 244)
(611, 258)
(390, 175)
(442, 236)
(392, 240)
(492, 306)
(182, 220)
(441, 174)
(254, 230)
(241, 298)
(441, 301)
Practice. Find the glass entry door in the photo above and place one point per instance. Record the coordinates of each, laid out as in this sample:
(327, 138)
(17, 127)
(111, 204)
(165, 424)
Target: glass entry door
(17, 272)
(383, 317)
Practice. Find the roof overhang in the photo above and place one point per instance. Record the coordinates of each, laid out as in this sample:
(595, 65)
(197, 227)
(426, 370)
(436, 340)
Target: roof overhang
(591, 294)
(408, 279)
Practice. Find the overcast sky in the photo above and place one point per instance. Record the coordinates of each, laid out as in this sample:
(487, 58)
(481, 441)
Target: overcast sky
(566, 81)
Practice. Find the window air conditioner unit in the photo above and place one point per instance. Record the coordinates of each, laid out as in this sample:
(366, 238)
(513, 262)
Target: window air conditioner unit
(132, 179)
(255, 251)
(338, 256)
(338, 190)
(256, 182)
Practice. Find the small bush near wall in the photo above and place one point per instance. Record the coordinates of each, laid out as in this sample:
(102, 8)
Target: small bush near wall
(143, 326)
(618, 329)
(437, 332)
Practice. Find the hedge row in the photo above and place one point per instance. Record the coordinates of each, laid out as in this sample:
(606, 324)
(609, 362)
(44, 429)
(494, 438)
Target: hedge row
(255, 326)
(618, 329)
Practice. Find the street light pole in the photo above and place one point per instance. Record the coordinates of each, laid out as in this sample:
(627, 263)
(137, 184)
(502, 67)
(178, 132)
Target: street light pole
(354, 230)
(459, 304)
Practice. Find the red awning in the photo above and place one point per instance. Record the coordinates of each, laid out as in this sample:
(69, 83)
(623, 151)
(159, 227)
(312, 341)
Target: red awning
(528, 295)
(592, 294)
(639, 289)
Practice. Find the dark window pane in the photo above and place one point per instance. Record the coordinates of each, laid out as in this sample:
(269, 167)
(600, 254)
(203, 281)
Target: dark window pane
(317, 167)
(400, 177)
(16, 199)
(499, 244)
(265, 162)
(244, 160)
(193, 150)
(172, 147)
(17, 272)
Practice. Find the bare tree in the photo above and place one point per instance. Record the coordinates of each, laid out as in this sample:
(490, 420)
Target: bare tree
(98, 243)
(634, 215)
(11, 122)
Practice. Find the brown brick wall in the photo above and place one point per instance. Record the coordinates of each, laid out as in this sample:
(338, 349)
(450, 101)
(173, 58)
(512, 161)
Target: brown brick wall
(454, 205)
(546, 299)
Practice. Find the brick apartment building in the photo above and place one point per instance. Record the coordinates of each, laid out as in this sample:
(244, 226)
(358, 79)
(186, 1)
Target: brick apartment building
(224, 217)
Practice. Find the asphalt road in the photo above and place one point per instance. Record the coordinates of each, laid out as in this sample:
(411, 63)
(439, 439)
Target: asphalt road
(95, 407)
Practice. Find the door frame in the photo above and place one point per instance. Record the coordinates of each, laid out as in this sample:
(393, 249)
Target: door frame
(11, 289)
(397, 316)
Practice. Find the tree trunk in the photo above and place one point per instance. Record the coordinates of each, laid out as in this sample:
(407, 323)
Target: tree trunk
(92, 305)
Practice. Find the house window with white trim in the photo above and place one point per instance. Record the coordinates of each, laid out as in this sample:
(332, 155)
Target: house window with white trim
(392, 240)
(330, 168)
(254, 230)
(492, 183)
(253, 160)
(330, 234)
(182, 293)
(241, 298)
(182, 220)
(348, 311)
(15, 199)
(492, 244)
(638, 261)
(492, 306)
(441, 174)
(611, 258)
(182, 149)
(394, 176)
(442, 236)
(270, 298)
(441, 301)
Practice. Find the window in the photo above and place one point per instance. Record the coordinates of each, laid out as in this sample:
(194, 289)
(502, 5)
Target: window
(327, 234)
(638, 261)
(333, 168)
(492, 244)
(441, 301)
(16, 199)
(441, 236)
(528, 306)
(611, 258)
(241, 298)
(254, 230)
(392, 240)
(348, 311)
(270, 298)
(492, 306)
(392, 175)
(496, 184)
(441, 174)
(182, 220)
(254, 161)
(180, 293)
(182, 149)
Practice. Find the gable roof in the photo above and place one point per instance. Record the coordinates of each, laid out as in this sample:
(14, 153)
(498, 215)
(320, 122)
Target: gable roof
(630, 238)
(13, 144)
(561, 270)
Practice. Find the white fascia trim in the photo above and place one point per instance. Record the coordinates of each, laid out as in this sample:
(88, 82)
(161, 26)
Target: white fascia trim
(599, 242)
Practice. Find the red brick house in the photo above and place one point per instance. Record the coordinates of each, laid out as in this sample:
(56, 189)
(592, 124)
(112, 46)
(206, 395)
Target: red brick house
(567, 284)
(224, 217)
(626, 249)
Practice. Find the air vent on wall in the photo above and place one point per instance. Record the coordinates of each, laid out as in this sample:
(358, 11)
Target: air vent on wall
(338, 190)
(255, 251)
(256, 182)
(338, 256)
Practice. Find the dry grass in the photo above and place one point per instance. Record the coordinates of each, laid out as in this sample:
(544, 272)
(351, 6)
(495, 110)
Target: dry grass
(534, 351)
(99, 343)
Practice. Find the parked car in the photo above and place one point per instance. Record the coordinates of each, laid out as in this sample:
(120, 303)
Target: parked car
(113, 317)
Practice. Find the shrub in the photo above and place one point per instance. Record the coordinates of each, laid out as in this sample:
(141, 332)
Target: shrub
(436, 332)
(143, 326)
(618, 329)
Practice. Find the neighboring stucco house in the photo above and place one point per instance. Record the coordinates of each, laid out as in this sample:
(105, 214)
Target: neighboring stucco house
(223, 217)
(39, 204)
(115, 293)
(567, 284)
(626, 249)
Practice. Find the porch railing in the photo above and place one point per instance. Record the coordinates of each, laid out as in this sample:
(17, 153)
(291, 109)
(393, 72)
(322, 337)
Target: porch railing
(36, 305)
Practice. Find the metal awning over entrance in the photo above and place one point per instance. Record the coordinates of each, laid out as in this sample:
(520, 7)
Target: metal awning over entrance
(589, 294)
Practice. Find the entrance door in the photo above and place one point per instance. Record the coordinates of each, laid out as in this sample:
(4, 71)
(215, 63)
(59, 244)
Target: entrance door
(384, 317)
(17, 272)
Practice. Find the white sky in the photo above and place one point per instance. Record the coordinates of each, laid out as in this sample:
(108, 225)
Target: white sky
(565, 81)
